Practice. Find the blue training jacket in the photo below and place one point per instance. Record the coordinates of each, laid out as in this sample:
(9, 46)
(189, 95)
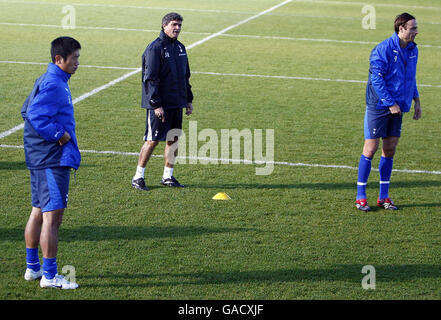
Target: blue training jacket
(48, 112)
(392, 75)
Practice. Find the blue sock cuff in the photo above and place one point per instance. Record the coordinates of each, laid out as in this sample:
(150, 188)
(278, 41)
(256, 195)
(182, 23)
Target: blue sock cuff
(366, 158)
(49, 267)
(388, 159)
(32, 259)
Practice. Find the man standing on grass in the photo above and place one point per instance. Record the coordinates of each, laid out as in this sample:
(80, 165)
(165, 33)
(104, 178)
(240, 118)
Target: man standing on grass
(51, 150)
(166, 90)
(390, 90)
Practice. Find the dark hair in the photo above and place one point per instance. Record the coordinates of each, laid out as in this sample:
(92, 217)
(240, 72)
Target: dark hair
(401, 20)
(64, 46)
(172, 16)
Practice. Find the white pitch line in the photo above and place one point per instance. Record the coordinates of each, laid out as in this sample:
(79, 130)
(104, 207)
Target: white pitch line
(222, 35)
(76, 27)
(294, 78)
(108, 85)
(317, 40)
(345, 3)
(76, 100)
(128, 7)
(275, 77)
(243, 161)
(387, 5)
(11, 131)
(226, 74)
(214, 35)
(113, 82)
(57, 26)
(81, 65)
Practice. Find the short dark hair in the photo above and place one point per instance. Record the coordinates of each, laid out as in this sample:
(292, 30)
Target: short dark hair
(401, 20)
(64, 46)
(172, 16)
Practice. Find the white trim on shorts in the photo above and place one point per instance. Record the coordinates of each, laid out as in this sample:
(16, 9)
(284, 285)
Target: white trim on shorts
(149, 124)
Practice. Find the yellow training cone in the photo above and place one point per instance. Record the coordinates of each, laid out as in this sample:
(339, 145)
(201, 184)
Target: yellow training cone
(221, 196)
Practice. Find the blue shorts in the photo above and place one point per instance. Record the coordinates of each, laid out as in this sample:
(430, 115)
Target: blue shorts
(381, 124)
(50, 188)
(156, 130)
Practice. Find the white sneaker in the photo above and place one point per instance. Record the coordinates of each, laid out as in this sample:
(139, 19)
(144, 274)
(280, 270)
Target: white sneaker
(32, 275)
(58, 282)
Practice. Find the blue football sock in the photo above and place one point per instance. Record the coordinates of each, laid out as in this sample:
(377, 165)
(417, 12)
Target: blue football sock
(49, 267)
(385, 168)
(32, 260)
(364, 169)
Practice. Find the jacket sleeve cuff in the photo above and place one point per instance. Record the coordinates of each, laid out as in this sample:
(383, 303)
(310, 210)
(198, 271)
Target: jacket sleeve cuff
(59, 134)
(416, 94)
(389, 103)
(155, 103)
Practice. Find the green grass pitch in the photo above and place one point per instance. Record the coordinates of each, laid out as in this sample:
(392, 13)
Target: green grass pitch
(292, 234)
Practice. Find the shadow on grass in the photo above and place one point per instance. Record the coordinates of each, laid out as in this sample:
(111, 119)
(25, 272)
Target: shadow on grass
(103, 233)
(13, 165)
(21, 165)
(319, 186)
(350, 272)
(375, 208)
(421, 205)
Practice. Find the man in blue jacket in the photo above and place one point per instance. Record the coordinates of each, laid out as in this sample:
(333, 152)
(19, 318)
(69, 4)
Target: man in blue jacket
(390, 90)
(51, 150)
(166, 90)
